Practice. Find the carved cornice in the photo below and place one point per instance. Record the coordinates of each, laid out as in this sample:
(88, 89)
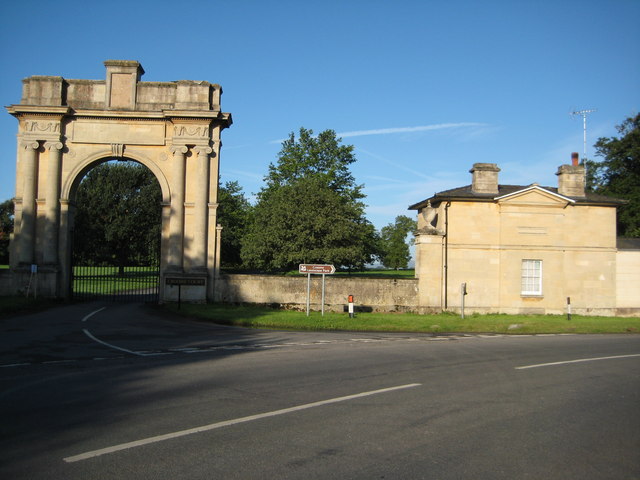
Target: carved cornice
(38, 110)
(129, 116)
(191, 114)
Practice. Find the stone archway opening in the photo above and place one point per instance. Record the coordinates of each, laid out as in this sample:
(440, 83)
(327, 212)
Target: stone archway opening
(116, 233)
(67, 126)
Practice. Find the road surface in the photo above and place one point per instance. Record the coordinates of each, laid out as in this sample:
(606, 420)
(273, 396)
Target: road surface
(97, 391)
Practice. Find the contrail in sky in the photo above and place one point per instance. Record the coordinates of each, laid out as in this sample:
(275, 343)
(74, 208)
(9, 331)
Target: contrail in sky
(421, 128)
(386, 131)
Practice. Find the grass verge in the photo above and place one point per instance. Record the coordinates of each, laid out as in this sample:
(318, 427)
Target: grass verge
(260, 317)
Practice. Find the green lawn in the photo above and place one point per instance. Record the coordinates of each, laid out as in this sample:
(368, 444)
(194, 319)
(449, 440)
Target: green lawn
(106, 280)
(374, 273)
(369, 273)
(256, 317)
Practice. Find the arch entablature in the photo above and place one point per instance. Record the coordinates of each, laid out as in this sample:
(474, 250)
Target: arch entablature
(68, 126)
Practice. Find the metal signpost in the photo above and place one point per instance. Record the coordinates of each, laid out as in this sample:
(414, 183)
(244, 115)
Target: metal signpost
(313, 269)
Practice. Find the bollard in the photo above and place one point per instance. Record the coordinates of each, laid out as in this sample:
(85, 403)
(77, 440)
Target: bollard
(350, 298)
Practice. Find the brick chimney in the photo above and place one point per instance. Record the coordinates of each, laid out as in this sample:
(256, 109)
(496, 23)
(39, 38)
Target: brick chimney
(484, 178)
(571, 178)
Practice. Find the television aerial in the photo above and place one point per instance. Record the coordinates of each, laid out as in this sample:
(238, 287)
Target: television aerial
(584, 114)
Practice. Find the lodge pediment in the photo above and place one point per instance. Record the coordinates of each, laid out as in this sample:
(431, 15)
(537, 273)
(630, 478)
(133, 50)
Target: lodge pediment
(535, 195)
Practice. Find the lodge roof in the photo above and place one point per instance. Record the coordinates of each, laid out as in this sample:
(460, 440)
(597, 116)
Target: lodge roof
(627, 243)
(466, 194)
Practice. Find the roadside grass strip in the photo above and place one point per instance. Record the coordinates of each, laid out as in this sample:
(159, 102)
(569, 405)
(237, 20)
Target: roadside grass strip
(444, 323)
(227, 423)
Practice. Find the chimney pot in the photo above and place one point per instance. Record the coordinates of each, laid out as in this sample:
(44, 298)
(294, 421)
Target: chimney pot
(575, 159)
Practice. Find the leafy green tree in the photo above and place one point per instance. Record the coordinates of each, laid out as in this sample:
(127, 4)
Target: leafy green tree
(395, 250)
(6, 229)
(118, 216)
(234, 213)
(310, 210)
(321, 156)
(618, 175)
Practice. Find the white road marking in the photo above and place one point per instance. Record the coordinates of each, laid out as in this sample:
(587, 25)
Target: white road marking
(87, 317)
(88, 334)
(577, 361)
(226, 423)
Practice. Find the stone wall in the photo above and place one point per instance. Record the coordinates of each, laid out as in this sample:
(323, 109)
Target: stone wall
(6, 282)
(371, 294)
(628, 282)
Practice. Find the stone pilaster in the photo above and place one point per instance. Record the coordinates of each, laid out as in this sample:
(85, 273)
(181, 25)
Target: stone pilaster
(201, 209)
(64, 245)
(29, 191)
(176, 224)
(53, 203)
(218, 244)
(216, 262)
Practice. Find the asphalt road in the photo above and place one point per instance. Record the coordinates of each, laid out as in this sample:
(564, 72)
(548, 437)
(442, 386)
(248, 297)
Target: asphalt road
(127, 392)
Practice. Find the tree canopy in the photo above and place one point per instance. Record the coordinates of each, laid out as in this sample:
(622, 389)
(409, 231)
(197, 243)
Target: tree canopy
(6, 229)
(321, 157)
(118, 215)
(618, 174)
(234, 213)
(395, 250)
(310, 210)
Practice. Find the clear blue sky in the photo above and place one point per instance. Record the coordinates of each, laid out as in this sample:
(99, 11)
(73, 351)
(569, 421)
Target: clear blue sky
(422, 89)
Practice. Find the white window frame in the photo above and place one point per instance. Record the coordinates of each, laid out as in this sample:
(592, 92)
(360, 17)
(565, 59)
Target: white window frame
(531, 277)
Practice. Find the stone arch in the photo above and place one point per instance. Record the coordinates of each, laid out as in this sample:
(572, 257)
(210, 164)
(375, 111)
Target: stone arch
(80, 170)
(68, 126)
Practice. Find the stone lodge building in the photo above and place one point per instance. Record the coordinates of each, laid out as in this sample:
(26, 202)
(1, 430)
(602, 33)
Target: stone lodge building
(525, 249)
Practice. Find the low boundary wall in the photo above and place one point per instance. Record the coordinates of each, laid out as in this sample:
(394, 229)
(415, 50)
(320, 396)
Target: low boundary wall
(370, 294)
(6, 282)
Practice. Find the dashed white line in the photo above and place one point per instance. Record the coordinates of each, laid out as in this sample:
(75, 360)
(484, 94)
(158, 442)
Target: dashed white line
(213, 426)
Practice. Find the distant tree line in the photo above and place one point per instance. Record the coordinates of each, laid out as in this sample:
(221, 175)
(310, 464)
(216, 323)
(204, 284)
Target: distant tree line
(618, 173)
(6, 228)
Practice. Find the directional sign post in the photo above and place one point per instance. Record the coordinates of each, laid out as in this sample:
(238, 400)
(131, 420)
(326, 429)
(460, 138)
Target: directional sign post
(313, 269)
